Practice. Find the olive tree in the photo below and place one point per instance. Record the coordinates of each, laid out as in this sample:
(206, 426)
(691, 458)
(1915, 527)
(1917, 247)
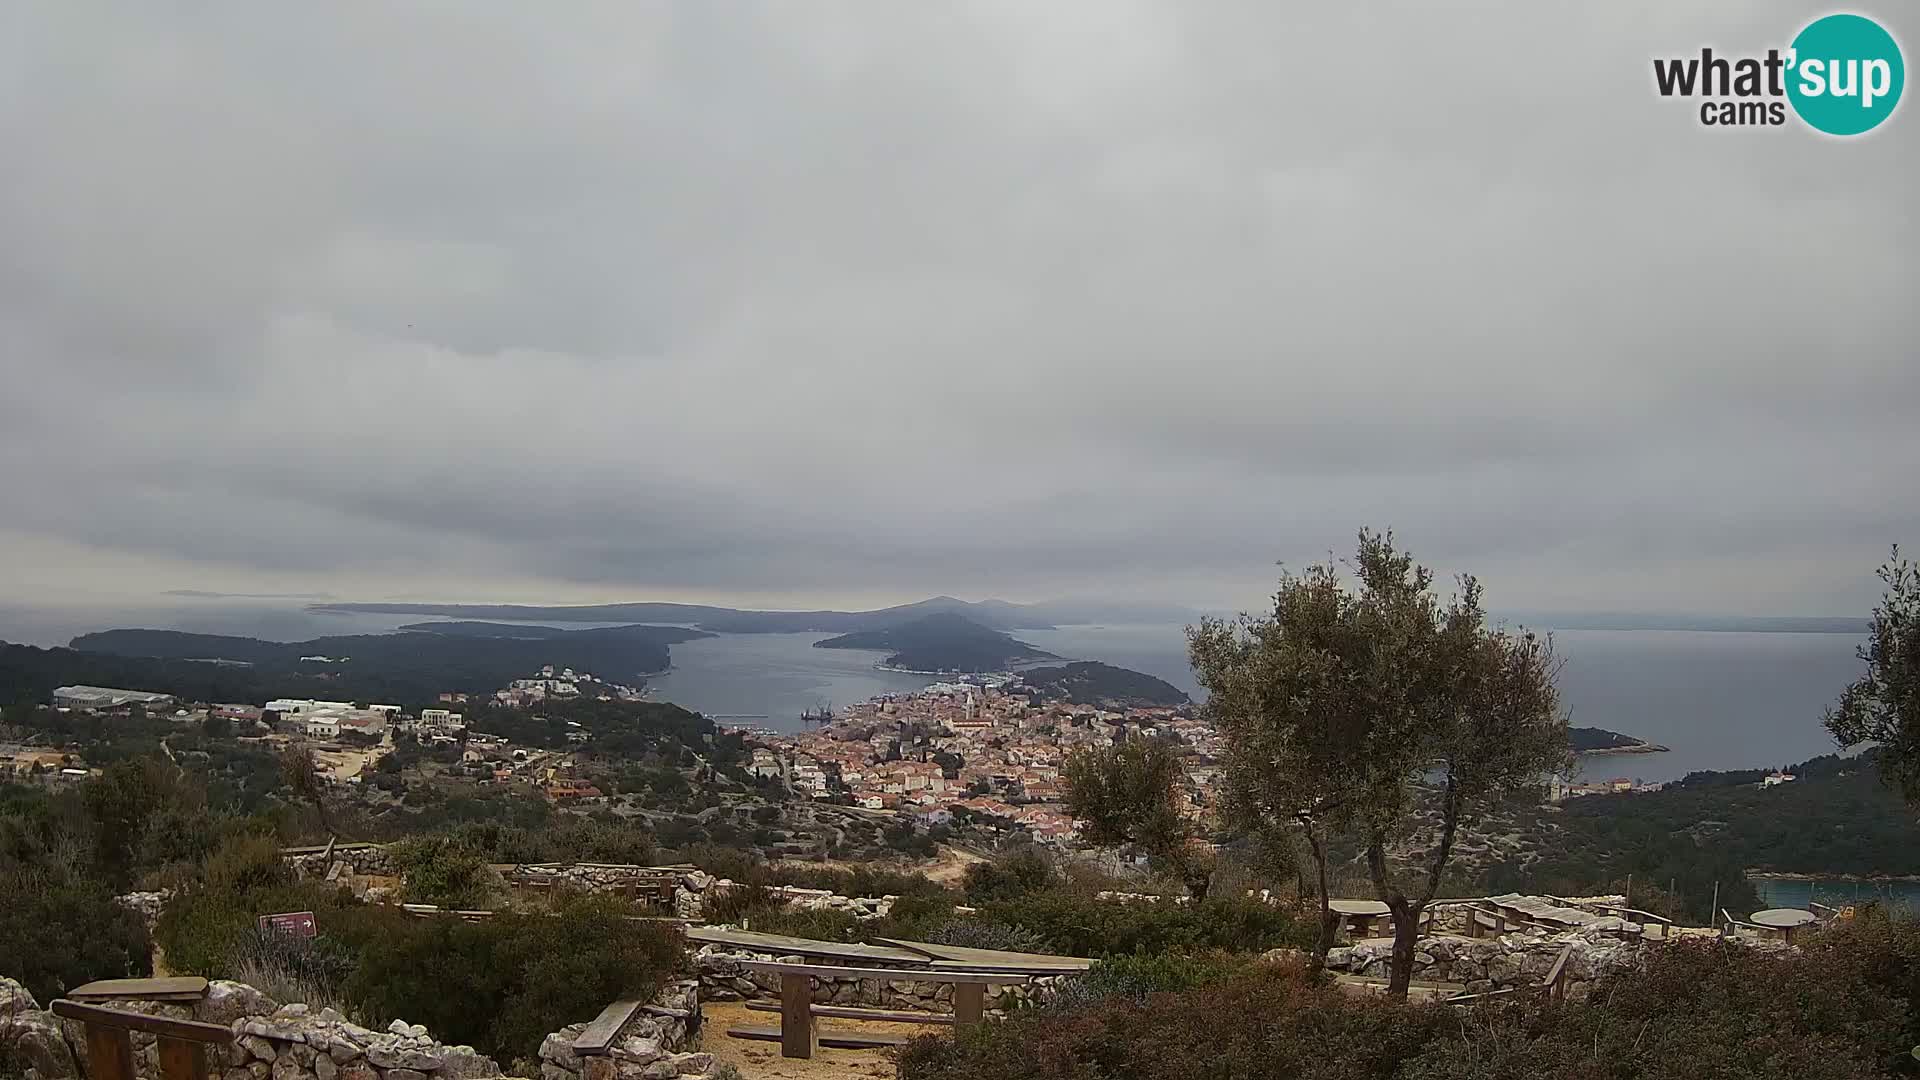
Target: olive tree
(1128, 796)
(1374, 705)
(1273, 692)
(1883, 706)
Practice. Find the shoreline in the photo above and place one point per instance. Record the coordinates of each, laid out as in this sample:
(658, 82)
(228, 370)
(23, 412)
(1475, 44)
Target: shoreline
(1781, 875)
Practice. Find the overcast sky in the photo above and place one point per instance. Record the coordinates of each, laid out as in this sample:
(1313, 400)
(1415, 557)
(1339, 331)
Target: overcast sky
(811, 303)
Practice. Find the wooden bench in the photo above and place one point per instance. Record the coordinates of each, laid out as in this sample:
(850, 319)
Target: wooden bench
(799, 1037)
(182, 1043)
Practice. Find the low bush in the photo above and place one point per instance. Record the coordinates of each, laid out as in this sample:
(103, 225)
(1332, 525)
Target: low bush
(1080, 925)
(1013, 875)
(1136, 976)
(974, 933)
(1704, 1009)
(58, 931)
(445, 871)
(501, 984)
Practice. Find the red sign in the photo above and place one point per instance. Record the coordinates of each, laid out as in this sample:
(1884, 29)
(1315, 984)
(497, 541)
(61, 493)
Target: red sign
(293, 924)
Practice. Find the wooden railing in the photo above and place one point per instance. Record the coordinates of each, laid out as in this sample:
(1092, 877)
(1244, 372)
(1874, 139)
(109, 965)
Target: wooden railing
(183, 1043)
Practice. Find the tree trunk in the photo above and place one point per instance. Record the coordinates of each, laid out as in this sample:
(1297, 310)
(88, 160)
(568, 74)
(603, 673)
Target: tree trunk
(1405, 927)
(1329, 922)
(1406, 935)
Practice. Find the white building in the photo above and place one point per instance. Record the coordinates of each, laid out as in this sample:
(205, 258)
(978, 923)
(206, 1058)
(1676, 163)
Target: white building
(439, 720)
(323, 726)
(106, 697)
(298, 706)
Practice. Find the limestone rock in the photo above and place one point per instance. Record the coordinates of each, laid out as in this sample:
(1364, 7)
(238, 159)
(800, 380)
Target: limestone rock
(227, 1001)
(636, 1049)
(693, 1064)
(35, 1040)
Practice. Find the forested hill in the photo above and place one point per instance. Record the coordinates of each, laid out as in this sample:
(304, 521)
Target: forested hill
(1837, 818)
(1093, 683)
(942, 642)
(404, 668)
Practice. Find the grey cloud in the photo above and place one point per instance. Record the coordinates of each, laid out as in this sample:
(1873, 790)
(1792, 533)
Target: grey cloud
(863, 298)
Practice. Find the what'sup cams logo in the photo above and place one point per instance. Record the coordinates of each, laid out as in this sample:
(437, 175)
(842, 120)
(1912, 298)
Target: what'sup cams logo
(1842, 75)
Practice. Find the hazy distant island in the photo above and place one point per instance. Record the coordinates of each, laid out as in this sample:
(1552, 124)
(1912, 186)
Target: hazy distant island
(1093, 683)
(941, 643)
(405, 667)
(998, 614)
(1593, 740)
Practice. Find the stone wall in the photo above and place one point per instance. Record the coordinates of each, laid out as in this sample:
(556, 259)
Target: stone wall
(31, 1041)
(1495, 963)
(295, 1042)
(692, 888)
(654, 1045)
(367, 859)
(723, 977)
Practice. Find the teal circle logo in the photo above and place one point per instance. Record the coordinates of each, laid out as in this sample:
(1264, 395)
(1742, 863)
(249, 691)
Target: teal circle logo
(1845, 74)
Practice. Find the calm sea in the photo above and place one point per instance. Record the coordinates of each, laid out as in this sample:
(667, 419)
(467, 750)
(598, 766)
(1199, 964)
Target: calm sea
(1719, 700)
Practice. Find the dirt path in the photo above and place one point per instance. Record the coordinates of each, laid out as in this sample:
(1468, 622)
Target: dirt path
(951, 865)
(762, 1061)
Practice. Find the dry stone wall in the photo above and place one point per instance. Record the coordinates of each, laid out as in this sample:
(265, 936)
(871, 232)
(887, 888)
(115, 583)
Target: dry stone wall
(724, 977)
(655, 1044)
(1495, 963)
(295, 1042)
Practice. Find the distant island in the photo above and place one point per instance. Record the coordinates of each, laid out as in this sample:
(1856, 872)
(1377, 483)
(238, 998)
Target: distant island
(405, 668)
(941, 643)
(998, 614)
(1593, 740)
(1091, 682)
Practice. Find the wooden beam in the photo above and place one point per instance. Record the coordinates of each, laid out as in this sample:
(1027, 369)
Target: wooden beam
(796, 1016)
(96, 1017)
(599, 1035)
(828, 971)
(848, 1012)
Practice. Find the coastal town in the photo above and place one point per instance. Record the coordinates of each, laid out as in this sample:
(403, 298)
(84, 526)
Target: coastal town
(986, 748)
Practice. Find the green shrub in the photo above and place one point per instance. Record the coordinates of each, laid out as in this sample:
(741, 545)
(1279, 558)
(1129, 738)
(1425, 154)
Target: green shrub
(735, 903)
(58, 931)
(1013, 875)
(444, 871)
(820, 924)
(1139, 975)
(1080, 925)
(501, 984)
(972, 933)
(1691, 1010)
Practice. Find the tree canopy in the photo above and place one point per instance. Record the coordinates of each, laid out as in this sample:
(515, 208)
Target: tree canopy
(1883, 706)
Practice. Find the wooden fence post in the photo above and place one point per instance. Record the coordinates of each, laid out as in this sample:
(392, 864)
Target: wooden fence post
(109, 1053)
(969, 1003)
(797, 1036)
